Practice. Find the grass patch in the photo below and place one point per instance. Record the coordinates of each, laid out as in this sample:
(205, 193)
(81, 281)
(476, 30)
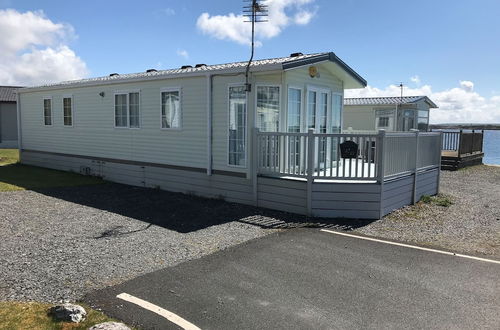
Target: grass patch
(24, 177)
(34, 316)
(439, 200)
(9, 156)
(16, 176)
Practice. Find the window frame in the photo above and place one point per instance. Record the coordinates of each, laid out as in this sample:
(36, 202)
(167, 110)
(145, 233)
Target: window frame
(279, 104)
(329, 106)
(246, 125)
(332, 103)
(127, 92)
(72, 110)
(301, 113)
(171, 89)
(51, 111)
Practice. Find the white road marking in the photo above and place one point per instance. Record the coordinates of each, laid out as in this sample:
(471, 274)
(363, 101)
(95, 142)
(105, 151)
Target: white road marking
(174, 318)
(411, 246)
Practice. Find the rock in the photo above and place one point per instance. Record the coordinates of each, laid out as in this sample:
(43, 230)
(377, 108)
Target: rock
(69, 313)
(109, 326)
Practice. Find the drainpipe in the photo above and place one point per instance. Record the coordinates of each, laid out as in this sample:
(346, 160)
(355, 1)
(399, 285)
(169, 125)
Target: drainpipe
(19, 130)
(209, 124)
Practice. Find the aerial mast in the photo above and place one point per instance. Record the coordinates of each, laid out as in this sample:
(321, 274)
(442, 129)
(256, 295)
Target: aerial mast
(255, 12)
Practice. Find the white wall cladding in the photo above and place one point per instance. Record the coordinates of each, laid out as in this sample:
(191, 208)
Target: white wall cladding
(93, 133)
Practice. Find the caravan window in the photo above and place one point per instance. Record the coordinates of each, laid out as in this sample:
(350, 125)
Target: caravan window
(127, 113)
(268, 108)
(68, 111)
(47, 111)
(237, 126)
(171, 108)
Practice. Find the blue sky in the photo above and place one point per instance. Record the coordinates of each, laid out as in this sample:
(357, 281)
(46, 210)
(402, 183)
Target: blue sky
(443, 44)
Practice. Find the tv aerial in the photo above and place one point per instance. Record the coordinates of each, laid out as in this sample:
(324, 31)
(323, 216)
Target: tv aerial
(255, 12)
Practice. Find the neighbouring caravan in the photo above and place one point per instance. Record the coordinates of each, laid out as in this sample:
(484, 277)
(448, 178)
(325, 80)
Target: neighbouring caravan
(388, 113)
(8, 117)
(198, 129)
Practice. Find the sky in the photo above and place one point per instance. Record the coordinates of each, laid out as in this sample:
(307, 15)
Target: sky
(447, 50)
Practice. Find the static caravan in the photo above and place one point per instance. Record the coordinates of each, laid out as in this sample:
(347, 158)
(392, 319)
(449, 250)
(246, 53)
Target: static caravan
(8, 117)
(388, 113)
(275, 143)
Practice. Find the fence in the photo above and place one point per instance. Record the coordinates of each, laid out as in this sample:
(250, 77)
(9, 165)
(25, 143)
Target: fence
(345, 156)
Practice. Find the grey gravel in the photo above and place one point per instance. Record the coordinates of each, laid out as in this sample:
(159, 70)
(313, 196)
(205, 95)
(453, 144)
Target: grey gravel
(59, 244)
(470, 225)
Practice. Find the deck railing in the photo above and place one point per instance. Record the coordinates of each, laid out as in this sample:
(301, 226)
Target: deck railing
(372, 157)
(463, 142)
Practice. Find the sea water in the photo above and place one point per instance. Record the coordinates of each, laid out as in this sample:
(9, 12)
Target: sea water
(491, 147)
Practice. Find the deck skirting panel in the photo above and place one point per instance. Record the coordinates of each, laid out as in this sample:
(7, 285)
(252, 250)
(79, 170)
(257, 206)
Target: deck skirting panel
(328, 199)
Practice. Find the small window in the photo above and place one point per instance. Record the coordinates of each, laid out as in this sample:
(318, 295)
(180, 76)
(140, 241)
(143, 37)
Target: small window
(383, 121)
(127, 110)
(47, 111)
(171, 109)
(237, 125)
(68, 111)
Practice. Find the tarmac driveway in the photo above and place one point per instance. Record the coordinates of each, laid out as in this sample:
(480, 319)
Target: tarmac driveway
(309, 279)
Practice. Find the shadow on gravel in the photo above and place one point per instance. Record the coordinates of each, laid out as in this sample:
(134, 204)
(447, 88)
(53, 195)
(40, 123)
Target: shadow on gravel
(183, 213)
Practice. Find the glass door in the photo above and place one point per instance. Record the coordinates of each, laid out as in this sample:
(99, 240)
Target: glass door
(317, 119)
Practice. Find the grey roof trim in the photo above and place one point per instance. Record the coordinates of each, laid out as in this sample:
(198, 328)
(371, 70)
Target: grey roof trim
(387, 100)
(325, 57)
(229, 68)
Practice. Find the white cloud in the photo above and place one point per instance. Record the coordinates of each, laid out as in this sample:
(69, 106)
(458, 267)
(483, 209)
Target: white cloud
(232, 27)
(183, 53)
(169, 11)
(456, 105)
(35, 50)
(415, 79)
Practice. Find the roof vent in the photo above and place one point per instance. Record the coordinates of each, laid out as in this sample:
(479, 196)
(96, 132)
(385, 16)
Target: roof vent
(296, 54)
(151, 70)
(114, 74)
(186, 67)
(200, 65)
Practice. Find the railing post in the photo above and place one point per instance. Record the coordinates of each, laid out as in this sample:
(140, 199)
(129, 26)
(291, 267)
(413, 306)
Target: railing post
(415, 170)
(439, 162)
(310, 168)
(255, 164)
(380, 146)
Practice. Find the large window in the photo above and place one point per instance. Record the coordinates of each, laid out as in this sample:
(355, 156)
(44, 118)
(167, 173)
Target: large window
(237, 125)
(337, 103)
(294, 109)
(47, 111)
(171, 108)
(423, 120)
(68, 111)
(127, 113)
(268, 108)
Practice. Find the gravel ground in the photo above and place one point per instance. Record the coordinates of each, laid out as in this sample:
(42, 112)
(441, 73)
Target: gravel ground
(59, 244)
(470, 225)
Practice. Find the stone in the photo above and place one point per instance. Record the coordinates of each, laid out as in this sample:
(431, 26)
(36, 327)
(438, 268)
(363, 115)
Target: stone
(109, 326)
(69, 313)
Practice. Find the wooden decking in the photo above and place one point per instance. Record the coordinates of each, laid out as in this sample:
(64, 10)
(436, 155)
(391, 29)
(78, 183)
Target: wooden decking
(461, 149)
